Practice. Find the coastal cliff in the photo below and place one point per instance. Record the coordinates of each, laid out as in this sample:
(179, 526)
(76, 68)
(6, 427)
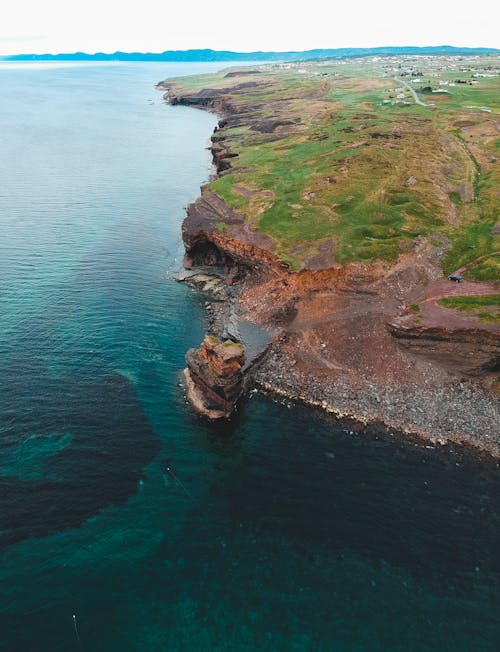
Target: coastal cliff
(361, 331)
(207, 243)
(214, 376)
(470, 351)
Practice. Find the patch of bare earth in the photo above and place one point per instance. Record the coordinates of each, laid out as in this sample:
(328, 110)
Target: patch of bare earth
(434, 315)
(337, 352)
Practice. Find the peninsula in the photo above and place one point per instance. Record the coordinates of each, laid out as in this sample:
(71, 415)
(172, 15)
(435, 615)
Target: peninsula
(354, 215)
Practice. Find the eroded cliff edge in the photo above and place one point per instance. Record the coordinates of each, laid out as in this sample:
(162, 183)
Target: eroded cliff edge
(360, 339)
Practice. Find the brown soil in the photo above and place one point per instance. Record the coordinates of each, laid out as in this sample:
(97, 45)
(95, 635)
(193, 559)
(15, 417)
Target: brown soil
(433, 315)
(337, 352)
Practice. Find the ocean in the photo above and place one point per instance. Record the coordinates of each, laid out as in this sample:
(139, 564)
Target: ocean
(282, 529)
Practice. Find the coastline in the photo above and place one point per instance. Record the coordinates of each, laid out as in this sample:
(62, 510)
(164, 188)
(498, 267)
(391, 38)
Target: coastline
(421, 419)
(398, 427)
(445, 409)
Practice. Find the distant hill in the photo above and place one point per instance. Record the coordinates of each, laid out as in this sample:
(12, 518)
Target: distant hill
(226, 55)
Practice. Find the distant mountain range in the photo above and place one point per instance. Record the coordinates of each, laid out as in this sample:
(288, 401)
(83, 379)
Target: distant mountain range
(226, 55)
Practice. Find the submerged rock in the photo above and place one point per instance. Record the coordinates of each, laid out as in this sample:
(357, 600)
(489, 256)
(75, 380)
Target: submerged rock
(214, 376)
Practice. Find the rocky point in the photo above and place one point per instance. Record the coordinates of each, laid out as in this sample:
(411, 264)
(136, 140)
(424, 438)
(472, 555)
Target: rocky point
(214, 376)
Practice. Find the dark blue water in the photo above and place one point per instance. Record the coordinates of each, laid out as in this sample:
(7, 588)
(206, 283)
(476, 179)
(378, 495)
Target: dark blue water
(281, 530)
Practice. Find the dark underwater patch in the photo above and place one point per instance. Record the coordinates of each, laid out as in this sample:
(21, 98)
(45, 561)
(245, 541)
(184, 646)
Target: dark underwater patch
(112, 442)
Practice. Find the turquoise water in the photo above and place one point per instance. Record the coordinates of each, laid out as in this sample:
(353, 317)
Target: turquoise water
(281, 530)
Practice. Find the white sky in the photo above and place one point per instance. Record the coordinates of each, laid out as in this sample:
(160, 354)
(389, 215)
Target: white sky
(157, 25)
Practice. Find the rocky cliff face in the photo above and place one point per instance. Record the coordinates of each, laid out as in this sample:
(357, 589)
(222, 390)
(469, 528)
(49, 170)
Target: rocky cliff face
(342, 345)
(471, 351)
(239, 250)
(214, 376)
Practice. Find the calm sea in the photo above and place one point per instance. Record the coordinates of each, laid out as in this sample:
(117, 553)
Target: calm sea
(281, 530)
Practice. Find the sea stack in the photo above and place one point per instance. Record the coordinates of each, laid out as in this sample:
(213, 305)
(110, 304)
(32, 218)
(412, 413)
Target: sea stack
(214, 376)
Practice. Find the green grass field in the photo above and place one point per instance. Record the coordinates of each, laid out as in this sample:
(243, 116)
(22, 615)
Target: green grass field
(359, 166)
(486, 308)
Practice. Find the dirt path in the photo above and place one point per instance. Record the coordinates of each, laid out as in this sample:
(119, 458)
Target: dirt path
(412, 91)
(463, 289)
(468, 266)
(433, 315)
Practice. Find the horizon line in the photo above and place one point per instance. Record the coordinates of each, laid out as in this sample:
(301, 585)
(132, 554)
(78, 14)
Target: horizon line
(247, 52)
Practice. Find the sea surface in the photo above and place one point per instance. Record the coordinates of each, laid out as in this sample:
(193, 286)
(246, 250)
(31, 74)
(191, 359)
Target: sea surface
(281, 530)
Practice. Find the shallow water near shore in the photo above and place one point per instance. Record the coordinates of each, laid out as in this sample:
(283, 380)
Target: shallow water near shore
(280, 530)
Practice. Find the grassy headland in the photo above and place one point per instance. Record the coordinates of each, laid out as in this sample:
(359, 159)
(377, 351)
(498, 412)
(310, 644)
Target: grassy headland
(338, 155)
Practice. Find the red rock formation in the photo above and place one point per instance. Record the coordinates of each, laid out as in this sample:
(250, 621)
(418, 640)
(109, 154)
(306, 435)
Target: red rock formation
(470, 351)
(206, 245)
(214, 377)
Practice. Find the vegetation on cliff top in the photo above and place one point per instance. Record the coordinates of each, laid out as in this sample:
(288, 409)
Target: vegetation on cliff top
(486, 308)
(337, 159)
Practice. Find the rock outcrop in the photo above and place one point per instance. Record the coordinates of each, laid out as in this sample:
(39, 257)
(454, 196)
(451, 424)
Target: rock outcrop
(466, 351)
(214, 376)
(365, 339)
(239, 251)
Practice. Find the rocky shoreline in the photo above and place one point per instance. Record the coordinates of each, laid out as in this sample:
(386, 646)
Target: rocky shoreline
(438, 419)
(338, 347)
(462, 414)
